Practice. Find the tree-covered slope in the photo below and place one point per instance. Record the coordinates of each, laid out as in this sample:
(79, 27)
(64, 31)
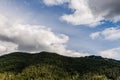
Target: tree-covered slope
(51, 66)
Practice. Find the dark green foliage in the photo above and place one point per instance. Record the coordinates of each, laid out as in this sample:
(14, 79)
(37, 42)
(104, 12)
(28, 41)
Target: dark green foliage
(51, 66)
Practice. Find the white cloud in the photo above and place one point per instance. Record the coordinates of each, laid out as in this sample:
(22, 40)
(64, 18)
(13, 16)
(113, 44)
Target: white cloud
(89, 12)
(7, 47)
(32, 38)
(82, 15)
(111, 34)
(2, 20)
(111, 53)
(2, 48)
(55, 2)
(95, 35)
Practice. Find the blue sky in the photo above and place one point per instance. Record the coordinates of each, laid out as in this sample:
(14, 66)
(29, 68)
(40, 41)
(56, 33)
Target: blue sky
(90, 29)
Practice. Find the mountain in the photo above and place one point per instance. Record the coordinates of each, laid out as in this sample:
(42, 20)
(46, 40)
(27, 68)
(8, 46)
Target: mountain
(51, 66)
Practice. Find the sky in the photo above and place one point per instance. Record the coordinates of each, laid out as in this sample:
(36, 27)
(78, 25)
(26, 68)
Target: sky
(68, 27)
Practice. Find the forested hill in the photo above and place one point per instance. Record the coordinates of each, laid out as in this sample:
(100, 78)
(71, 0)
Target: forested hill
(51, 66)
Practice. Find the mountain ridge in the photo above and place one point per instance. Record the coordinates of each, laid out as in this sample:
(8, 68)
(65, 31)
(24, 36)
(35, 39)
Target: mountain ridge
(58, 66)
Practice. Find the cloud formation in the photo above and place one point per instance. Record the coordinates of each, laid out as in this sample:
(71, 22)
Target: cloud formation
(110, 34)
(111, 53)
(55, 2)
(89, 12)
(31, 38)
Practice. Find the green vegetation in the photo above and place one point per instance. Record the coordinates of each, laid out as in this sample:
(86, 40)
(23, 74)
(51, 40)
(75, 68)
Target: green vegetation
(51, 66)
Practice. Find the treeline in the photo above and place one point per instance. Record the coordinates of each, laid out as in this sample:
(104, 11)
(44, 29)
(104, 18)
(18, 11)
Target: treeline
(51, 66)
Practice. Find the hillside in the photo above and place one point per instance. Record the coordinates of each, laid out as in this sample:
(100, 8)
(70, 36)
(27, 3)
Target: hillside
(51, 66)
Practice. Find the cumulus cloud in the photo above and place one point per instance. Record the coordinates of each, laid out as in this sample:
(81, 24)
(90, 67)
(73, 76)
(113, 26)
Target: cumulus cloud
(89, 12)
(111, 53)
(111, 34)
(32, 38)
(82, 14)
